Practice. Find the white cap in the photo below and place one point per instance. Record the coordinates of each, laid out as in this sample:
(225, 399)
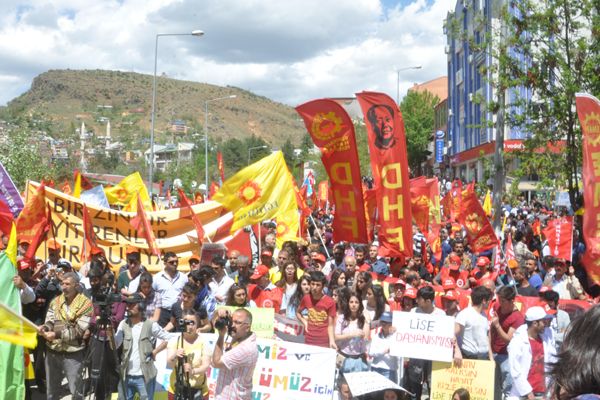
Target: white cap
(536, 313)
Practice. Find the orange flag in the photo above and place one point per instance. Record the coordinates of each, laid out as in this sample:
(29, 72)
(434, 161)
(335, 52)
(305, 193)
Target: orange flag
(41, 230)
(479, 230)
(185, 203)
(142, 225)
(89, 237)
(220, 166)
(32, 215)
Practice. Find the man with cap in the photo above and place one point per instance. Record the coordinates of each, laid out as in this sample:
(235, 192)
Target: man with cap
(54, 250)
(137, 334)
(484, 270)
(564, 282)
(450, 302)
(529, 351)
(194, 262)
(453, 270)
(266, 257)
(383, 363)
(317, 261)
(262, 291)
(409, 299)
(396, 293)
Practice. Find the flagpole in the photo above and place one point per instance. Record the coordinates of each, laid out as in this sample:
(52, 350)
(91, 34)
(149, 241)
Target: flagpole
(319, 234)
(259, 241)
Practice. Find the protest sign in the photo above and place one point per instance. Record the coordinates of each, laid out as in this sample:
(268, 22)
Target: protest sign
(362, 383)
(284, 370)
(477, 376)
(114, 231)
(288, 329)
(423, 336)
(262, 320)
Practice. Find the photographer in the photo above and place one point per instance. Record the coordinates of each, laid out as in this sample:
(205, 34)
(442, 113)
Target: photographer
(137, 334)
(237, 360)
(108, 312)
(189, 358)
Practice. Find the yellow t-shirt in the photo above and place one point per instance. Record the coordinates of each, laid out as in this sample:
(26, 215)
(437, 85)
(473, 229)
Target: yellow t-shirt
(194, 352)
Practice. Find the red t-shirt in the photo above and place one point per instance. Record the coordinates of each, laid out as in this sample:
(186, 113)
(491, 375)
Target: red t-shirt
(265, 298)
(513, 319)
(536, 371)
(319, 312)
(460, 277)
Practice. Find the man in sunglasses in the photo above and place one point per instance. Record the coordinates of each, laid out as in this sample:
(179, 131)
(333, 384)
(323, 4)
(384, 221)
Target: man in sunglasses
(169, 283)
(237, 360)
(136, 333)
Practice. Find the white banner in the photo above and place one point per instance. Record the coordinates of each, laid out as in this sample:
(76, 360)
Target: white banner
(423, 336)
(284, 370)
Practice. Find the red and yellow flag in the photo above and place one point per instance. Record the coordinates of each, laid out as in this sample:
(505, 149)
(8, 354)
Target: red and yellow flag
(389, 163)
(125, 192)
(480, 233)
(32, 215)
(588, 111)
(220, 166)
(332, 130)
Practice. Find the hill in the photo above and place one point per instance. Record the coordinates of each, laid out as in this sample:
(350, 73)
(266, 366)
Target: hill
(69, 97)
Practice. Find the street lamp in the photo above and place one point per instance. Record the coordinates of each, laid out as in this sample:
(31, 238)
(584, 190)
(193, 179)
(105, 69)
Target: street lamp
(398, 70)
(254, 148)
(233, 96)
(151, 169)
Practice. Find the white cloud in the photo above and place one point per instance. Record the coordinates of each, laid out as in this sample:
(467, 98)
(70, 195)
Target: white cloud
(291, 51)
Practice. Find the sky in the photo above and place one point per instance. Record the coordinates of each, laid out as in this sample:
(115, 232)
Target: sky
(290, 51)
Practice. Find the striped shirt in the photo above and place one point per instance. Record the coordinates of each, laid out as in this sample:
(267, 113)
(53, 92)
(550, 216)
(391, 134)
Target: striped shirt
(235, 380)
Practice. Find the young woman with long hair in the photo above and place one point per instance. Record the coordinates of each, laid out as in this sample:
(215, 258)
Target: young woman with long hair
(351, 336)
(302, 288)
(237, 296)
(375, 304)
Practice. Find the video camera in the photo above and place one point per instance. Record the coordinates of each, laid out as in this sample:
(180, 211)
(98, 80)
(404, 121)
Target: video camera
(224, 322)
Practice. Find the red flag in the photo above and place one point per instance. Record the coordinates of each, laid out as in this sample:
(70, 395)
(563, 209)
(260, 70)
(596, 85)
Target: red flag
(220, 166)
(588, 111)
(41, 229)
(332, 130)
(6, 219)
(559, 233)
(510, 250)
(86, 184)
(214, 188)
(142, 225)
(185, 202)
(370, 199)
(323, 196)
(389, 163)
(479, 230)
(419, 203)
(89, 244)
(537, 227)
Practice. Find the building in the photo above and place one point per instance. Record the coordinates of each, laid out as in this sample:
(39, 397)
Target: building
(168, 154)
(471, 131)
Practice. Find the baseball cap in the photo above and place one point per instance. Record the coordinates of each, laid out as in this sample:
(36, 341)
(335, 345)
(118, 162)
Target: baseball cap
(62, 263)
(194, 256)
(267, 253)
(52, 244)
(454, 262)
(23, 264)
(449, 284)
(96, 250)
(536, 313)
(544, 289)
(134, 298)
(386, 317)
(131, 250)
(410, 293)
(483, 261)
(319, 257)
(260, 271)
(549, 310)
(451, 295)
(512, 263)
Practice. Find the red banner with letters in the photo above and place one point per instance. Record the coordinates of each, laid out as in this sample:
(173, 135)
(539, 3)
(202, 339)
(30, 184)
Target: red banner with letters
(389, 163)
(332, 130)
(588, 110)
(479, 230)
(559, 233)
(323, 196)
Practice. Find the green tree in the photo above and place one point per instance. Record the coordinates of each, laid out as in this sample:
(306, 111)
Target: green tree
(417, 111)
(20, 155)
(288, 154)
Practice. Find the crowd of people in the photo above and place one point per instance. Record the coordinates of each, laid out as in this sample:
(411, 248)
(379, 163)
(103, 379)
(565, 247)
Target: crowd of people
(114, 320)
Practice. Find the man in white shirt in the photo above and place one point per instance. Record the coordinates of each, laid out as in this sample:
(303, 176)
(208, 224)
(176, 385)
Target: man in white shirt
(472, 327)
(221, 281)
(168, 283)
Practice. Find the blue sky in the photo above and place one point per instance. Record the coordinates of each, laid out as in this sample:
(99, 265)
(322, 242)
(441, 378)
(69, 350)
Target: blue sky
(290, 51)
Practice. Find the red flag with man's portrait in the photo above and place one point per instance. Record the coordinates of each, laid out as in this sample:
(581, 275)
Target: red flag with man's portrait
(389, 163)
(332, 130)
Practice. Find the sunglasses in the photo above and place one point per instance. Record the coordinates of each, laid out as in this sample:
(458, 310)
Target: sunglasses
(173, 262)
(189, 322)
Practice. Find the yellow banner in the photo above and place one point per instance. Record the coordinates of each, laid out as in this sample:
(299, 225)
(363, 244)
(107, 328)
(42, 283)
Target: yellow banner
(477, 376)
(114, 233)
(16, 329)
(263, 320)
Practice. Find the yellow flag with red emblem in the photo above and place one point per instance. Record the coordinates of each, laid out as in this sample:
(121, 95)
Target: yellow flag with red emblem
(122, 194)
(260, 191)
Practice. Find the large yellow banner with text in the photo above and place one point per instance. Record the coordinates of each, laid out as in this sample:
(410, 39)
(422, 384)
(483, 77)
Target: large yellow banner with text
(173, 229)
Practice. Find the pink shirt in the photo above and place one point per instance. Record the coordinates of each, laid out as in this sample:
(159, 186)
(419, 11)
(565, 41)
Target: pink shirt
(235, 380)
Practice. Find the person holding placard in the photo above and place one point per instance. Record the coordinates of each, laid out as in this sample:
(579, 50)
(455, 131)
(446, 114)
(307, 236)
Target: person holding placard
(351, 336)
(383, 363)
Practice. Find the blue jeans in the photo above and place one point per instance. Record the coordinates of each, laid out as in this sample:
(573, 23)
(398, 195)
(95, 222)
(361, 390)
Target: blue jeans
(503, 379)
(136, 384)
(354, 365)
(388, 373)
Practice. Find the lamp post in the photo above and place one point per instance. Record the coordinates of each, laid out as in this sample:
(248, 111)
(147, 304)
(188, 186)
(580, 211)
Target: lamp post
(254, 148)
(153, 114)
(233, 96)
(398, 70)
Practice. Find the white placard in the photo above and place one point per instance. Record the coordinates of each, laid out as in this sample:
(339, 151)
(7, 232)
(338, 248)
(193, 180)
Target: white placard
(423, 336)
